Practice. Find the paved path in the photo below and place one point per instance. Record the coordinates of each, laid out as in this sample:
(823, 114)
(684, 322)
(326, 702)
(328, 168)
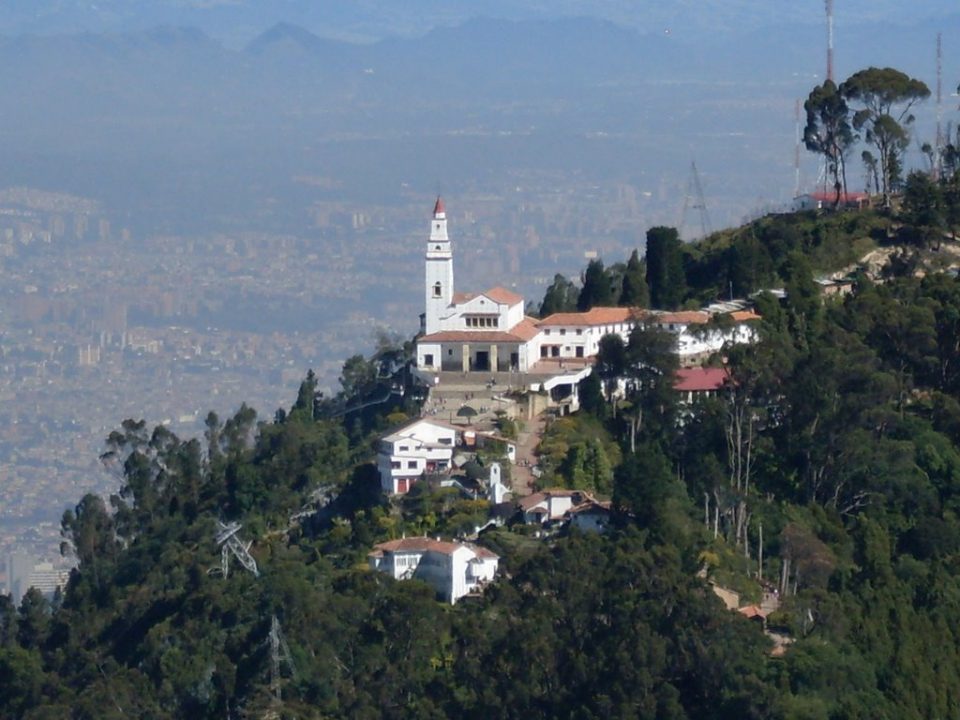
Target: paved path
(527, 443)
(447, 398)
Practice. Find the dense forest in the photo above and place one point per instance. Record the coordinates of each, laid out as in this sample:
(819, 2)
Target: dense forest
(827, 470)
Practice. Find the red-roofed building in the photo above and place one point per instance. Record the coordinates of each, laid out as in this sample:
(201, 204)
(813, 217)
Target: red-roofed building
(696, 383)
(821, 200)
(577, 335)
(454, 569)
(489, 332)
(469, 332)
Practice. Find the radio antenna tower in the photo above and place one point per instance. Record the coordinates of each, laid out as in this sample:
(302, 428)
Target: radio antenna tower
(694, 200)
(279, 653)
(938, 147)
(230, 544)
(796, 149)
(829, 4)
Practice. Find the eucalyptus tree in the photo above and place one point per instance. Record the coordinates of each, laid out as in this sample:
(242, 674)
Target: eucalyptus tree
(885, 97)
(828, 132)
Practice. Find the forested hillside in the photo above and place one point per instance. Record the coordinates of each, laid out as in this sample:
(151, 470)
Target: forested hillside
(828, 468)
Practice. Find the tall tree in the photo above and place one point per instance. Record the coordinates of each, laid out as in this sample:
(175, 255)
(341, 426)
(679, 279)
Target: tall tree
(885, 96)
(635, 292)
(597, 290)
(561, 296)
(665, 274)
(828, 132)
(923, 212)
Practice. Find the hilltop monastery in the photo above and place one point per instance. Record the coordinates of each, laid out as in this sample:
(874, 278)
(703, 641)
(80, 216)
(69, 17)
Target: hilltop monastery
(489, 331)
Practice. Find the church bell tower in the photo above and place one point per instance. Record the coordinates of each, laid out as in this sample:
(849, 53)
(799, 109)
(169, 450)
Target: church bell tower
(439, 276)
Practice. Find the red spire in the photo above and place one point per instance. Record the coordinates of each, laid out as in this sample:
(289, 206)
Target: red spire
(438, 209)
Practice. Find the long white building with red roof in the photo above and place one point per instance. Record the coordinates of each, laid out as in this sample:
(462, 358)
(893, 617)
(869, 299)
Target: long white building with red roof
(489, 331)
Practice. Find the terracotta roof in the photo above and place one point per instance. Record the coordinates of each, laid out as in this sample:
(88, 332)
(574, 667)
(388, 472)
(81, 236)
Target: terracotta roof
(499, 295)
(744, 315)
(503, 296)
(418, 544)
(439, 209)
(521, 332)
(594, 316)
(684, 317)
(425, 544)
(531, 501)
(700, 379)
(590, 505)
(830, 196)
(526, 329)
(753, 611)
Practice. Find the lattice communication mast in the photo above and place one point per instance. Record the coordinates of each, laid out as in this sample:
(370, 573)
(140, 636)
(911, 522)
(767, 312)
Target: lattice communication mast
(694, 200)
(829, 6)
(230, 544)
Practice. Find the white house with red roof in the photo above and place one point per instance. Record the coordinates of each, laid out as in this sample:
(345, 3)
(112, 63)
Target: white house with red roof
(577, 334)
(699, 335)
(550, 505)
(422, 447)
(823, 199)
(454, 569)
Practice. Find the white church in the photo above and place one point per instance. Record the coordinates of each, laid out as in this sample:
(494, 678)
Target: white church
(489, 331)
(467, 332)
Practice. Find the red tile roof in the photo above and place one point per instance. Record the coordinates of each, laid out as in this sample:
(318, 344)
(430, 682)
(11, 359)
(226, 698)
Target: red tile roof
(594, 316)
(830, 196)
(499, 295)
(700, 379)
(425, 544)
(684, 317)
(753, 611)
(521, 332)
(439, 209)
(744, 315)
(531, 501)
(503, 296)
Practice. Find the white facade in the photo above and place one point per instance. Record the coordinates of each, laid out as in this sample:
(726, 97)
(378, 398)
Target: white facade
(697, 338)
(403, 456)
(489, 332)
(577, 335)
(439, 274)
(550, 505)
(452, 569)
(469, 332)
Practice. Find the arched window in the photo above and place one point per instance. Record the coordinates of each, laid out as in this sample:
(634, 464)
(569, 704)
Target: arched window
(436, 290)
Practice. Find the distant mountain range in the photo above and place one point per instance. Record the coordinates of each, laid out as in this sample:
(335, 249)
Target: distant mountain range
(177, 117)
(238, 21)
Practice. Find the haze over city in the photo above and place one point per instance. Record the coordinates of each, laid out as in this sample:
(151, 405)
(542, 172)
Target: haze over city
(202, 201)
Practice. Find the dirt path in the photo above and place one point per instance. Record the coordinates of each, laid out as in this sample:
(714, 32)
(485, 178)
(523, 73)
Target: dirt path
(527, 442)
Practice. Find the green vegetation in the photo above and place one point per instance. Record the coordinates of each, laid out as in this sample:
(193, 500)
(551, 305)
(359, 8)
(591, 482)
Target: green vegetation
(829, 469)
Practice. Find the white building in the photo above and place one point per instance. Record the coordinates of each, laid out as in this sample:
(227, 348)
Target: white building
(418, 448)
(489, 331)
(577, 335)
(699, 336)
(453, 569)
(466, 332)
(550, 505)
